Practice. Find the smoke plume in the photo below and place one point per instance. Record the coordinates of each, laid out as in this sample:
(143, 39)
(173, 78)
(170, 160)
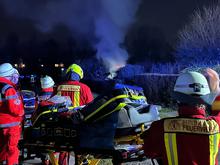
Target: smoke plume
(111, 27)
(103, 22)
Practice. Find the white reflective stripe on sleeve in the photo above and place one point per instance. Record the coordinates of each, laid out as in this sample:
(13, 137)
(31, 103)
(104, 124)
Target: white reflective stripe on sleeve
(9, 124)
(9, 98)
(5, 88)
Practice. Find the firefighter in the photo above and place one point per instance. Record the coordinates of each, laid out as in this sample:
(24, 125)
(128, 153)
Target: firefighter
(191, 138)
(79, 93)
(11, 115)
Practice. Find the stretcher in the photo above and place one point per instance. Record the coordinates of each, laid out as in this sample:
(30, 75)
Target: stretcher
(108, 127)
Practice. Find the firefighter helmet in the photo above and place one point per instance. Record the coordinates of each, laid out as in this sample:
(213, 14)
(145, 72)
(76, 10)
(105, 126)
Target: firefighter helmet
(75, 68)
(192, 83)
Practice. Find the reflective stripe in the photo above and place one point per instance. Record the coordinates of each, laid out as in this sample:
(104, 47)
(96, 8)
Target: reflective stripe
(59, 93)
(71, 88)
(7, 86)
(9, 98)
(196, 126)
(171, 148)
(76, 102)
(186, 85)
(120, 106)
(9, 124)
(186, 125)
(28, 99)
(105, 104)
(41, 114)
(68, 88)
(213, 146)
(53, 158)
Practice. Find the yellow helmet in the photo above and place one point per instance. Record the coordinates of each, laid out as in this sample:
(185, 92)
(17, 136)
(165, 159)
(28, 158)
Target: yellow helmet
(75, 68)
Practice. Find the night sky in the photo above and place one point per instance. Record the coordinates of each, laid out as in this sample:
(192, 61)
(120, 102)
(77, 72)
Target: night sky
(169, 16)
(27, 27)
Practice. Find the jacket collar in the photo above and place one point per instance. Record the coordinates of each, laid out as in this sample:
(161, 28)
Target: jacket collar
(198, 111)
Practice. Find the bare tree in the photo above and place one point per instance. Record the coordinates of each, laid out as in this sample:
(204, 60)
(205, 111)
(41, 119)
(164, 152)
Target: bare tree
(199, 41)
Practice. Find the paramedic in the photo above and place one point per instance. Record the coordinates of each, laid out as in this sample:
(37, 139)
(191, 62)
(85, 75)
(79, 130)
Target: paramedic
(11, 115)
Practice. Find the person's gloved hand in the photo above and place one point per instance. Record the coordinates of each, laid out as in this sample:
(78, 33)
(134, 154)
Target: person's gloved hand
(213, 79)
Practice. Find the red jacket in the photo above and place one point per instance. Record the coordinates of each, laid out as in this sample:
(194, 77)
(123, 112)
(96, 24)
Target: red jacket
(45, 94)
(190, 139)
(11, 105)
(79, 93)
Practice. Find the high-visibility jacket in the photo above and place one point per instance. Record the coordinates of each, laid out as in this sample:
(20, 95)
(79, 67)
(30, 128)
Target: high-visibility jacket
(190, 138)
(79, 93)
(11, 105)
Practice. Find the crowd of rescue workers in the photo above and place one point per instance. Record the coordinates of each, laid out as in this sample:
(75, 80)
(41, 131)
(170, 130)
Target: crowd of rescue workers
(191, 138)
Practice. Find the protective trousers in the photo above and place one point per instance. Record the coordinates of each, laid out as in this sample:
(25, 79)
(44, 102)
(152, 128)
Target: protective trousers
(9, 138)
(63, 158)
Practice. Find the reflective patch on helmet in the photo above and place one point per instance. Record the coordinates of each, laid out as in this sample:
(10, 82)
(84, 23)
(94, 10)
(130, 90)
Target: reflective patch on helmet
(17, 102)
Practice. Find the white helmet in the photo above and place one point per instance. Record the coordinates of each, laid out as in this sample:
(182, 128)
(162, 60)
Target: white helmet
(7, 69)
(192, 83)
(46, 82)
